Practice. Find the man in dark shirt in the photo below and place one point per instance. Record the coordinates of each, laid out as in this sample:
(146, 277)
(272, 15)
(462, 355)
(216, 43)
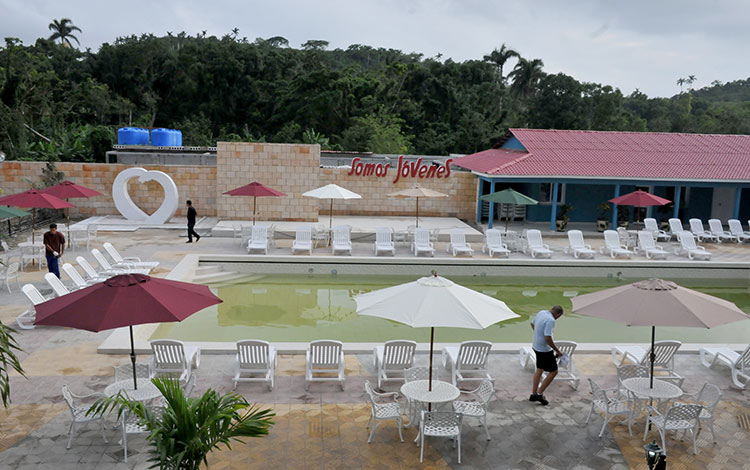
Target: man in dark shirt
(191, 215)
(54, 245)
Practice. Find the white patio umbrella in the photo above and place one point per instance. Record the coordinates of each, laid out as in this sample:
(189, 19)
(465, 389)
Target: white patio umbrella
(434, 301)
(331, 191)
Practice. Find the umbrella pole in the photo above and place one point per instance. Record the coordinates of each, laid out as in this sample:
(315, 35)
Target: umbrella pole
(33, 216)
(432, 345)
(254, 199)
(417, 212)
(132, 358)
(652, 356)
(330, 223)
(67, 221)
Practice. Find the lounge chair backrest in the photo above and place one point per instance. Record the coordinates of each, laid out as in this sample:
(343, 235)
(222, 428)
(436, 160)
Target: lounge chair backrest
(687, 240)
(112, 252)
(494, 237)
(646, 240)
(735, 227)
(74, 275)
(86, 266)
(629, 371)
(260, 234)
(534, 238)
(57, 286)
(665, 351)
(253, 354)
(696, 226)
(611, 239)
(473, 354)
(169, 354)
(421, 237)
(383, 236)
(675, 226)
(303, 235)
(341, 235)
(6, 248)
(566, 347)
(575, 239)
(325, 353)
(99, 257)
(33, 294)
(744, 360)
(458, 237)
(649, 224)
(715, 226)
(398, 353)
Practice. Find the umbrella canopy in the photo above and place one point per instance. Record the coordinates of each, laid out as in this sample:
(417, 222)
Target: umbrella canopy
(8, 212)
(509, 196)
(639, 199)
(417, 192)
(126, 300)
(331, 191)
(255, 190)
(434, 301)
(33, 199)
(68, 190)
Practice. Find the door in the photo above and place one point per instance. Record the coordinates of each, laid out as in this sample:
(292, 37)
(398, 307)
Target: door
(722, 204)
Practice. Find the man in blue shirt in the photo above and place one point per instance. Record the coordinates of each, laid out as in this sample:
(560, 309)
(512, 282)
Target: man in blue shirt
(546, 352)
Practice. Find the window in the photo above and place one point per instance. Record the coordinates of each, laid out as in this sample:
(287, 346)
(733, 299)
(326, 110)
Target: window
(545, 193)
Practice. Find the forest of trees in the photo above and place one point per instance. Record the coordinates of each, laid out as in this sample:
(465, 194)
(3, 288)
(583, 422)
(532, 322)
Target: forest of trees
(60, 103)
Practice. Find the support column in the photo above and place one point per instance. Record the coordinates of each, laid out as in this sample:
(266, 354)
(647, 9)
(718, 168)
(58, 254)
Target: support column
(737, 201)
(492, 205)
(677, 197)
(553, 210)
(614, 207)
(480, 185)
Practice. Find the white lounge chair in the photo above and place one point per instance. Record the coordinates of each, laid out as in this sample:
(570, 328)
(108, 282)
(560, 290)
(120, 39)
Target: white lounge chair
(612, 245)
(477, 407)
(649, 225)
(130, 261)
(384, 241)
(394, 357)
(303, 240)
(688, 246)
(341, 241)
(385, 406)
(422, 243)
(576, 245)
(664, 362)
(10, 273)
(717, 230)
(458, 243)
(696, 227)
(26, 320)
(325, 356)
(439, 424)
(738, 363)
(258, 240)
(173, 360)
(677, 418)
(94, 275)
(469, 358)
(611, 406)
(105, 267)
(255, 362)
(647, 245)
(56, 284)
(536, 245)
(735, 228)
(675, 227)
(494, 243)
(565, 372)
(76, 277)
(80, 414)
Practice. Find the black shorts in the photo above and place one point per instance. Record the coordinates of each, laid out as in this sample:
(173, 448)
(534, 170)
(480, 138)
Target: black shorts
(546, 361)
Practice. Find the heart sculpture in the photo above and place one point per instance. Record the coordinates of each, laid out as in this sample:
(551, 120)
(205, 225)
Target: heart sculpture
(130, 210)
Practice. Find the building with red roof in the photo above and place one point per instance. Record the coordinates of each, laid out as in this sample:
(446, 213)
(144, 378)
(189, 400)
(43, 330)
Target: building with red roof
(706, 175)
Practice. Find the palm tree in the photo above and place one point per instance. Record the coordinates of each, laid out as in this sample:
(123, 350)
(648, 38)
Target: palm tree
(499, 57)
(62, 30)
(8, 360)
(525, 76)
(681, 81)
(690, 80)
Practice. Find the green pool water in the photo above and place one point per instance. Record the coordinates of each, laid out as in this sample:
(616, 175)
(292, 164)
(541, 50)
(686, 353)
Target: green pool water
(289, 308)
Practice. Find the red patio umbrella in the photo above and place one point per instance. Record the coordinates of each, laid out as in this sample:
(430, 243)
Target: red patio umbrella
(639, 199)
(34, 199)
(126, 300)
(67, 190)
(255, 190)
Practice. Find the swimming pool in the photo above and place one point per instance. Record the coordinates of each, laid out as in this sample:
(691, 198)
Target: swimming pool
(301, 308)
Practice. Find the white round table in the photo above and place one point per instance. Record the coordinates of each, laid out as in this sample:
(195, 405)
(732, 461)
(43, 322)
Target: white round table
(662, 389)
(146, 390)
(441, 391)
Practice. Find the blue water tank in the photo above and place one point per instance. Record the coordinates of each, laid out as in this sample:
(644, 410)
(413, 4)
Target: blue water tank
(127, 136)
(179, 138)
(161, 138)
(173, 137)
(142, 136)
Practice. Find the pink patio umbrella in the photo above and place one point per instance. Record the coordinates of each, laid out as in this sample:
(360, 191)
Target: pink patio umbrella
(34, 199)
(68, 190)
(126, 300)
(639, 199)
(255, 190)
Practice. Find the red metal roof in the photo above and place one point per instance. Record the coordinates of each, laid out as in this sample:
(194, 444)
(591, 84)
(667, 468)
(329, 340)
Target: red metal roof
(618, 155)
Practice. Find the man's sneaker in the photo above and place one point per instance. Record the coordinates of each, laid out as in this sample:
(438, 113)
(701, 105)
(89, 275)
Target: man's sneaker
(534, 397)
(540, 398)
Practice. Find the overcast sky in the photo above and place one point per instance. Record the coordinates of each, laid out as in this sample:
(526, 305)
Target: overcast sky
(644, 44)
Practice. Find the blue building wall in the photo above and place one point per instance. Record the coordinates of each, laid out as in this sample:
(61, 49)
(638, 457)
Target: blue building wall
(745, 207)
(513, 143)
(698, 204)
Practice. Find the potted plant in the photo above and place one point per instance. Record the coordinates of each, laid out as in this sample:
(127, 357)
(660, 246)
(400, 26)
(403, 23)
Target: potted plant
(562, 217)
(623, 216)
(8, 361)
(602, 221)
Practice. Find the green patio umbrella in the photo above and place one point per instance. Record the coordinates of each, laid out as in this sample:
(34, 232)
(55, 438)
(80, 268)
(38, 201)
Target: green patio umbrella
(509, 196)
(10, 212)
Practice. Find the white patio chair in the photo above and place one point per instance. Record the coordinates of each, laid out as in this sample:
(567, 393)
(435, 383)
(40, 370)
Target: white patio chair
(627, 240)
(10, 273)
(577, 246)
(735, 228)
(664, 362)
(246, 234)
(91, 231)
(738, 363)
(130, 261)
(173, 360)
(439, 424)
(567, 373)
(647, 245)
(324, 357)
(341, 241)
(259, 240)
(131, 425)
(26, 320)
(385, 406)
(125, 371)
(477, 407)
(79, 238)
(630, 371)
(536, 245)
(677, 418)
(76, 277)
(675, 227)
(688, 247)
(494, 243)
(422, 243)
(612, 245)
(94, 275)
(708, 397)
(255, 362)
(56, 284)
(469, 358)
(394, 357)
(696, 227)
(610, 406)
(303, 240)
(649, 225)
(384, 241)
(105, 267)
(410, 375)
(458, 244)
(717, 230)
(33, 254)
(79, 413)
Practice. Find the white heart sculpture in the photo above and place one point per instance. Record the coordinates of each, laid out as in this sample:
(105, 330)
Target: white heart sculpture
(130, 210)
